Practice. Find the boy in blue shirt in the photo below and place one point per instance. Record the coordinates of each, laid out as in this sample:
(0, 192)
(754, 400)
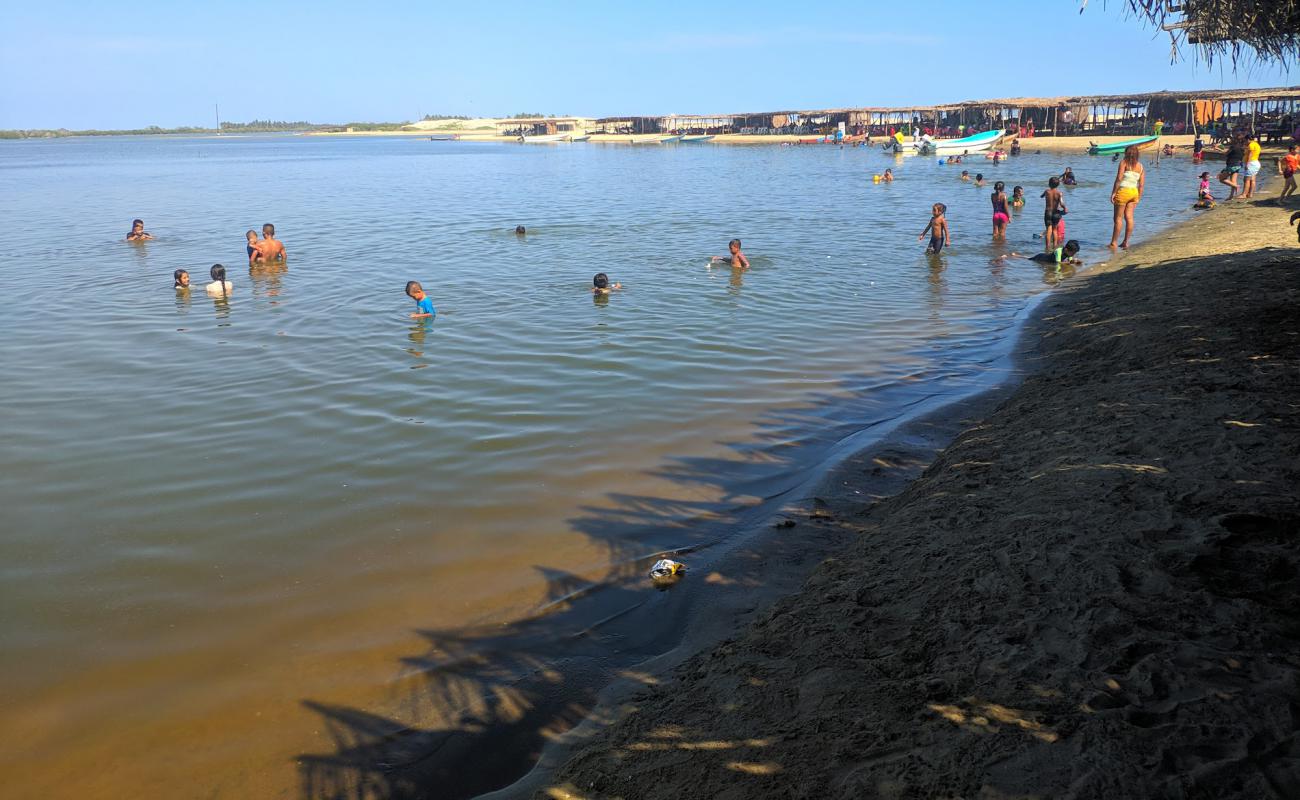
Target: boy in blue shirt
(423, 305)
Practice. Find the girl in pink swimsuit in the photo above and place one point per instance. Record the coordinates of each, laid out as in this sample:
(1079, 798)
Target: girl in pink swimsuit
(1001, 215)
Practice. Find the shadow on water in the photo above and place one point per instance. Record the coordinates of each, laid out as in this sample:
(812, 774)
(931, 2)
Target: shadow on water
(476, 707)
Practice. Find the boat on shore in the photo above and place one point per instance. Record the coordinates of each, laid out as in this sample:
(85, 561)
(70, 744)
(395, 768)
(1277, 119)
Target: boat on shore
(669, 139)
(695, 139)
(976, 143)
(1119, 147)
(546, 139)
(584, 137)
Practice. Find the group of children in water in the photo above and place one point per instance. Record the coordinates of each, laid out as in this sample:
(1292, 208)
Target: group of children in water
(1053, 218)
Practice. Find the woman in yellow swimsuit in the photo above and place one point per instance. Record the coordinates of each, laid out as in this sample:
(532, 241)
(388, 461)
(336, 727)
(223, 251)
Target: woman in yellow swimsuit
(1130, 180)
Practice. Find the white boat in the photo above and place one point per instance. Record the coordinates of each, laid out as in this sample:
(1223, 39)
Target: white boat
(695, 139)
(976, 143)
(669, 139)
(581, 138)
(653, 138)
(547, 139)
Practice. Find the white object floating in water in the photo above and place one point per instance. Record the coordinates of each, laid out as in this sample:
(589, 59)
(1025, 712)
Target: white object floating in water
(665, 569)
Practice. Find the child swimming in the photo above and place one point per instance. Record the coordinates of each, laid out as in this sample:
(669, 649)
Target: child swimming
(1067, 178)
(979, 180)
(181, 280)
(736, 259)
(965, 174)
(520, 230)
(423, 305)
(888, 177)
(137, 233)
(220, 287)
(1059, 256)
(1001, 214)
(937, 227)
(600, 284)
(1018, 197)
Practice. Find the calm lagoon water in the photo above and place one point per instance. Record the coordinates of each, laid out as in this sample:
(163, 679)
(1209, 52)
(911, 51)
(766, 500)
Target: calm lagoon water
(222, 516)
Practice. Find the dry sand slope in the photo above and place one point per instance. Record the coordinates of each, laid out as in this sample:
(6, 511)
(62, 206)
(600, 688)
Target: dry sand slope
(1094, 593)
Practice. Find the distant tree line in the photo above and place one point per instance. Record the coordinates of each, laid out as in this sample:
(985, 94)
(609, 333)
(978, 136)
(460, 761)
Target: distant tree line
(256, 126)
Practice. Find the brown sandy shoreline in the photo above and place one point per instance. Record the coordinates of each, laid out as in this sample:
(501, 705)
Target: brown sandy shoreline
(1091, 593)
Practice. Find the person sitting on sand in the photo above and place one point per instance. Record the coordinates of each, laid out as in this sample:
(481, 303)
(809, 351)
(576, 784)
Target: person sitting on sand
(220, 287)
(423, 305)
(1001, 214)
(1067, 178)
(181, 280)
(1203, 191)
(1054, 208)
(736, 259)
(600, 284)
(138, 233)
(1018, 197)
(1061, 255)
(938, 230)
(272, 248)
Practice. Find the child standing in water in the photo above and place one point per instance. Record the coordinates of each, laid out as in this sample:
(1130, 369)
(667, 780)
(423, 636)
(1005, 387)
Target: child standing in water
(1053, 210)
(423, 305)
(1001, 213)
(181, 280)
(736, 259)
(220, 287)
(938, 230)
(1018, 197)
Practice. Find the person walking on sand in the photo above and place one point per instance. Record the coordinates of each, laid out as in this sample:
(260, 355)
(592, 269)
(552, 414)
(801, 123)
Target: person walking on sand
(1232, 164)
(1289, 165)
(1130, 181)
(1251, 166)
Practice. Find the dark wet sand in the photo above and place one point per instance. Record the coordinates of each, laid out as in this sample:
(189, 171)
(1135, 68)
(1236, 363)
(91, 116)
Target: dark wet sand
(1092, 593)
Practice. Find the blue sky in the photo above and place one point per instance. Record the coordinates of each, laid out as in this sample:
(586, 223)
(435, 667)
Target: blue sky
(97, 65)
